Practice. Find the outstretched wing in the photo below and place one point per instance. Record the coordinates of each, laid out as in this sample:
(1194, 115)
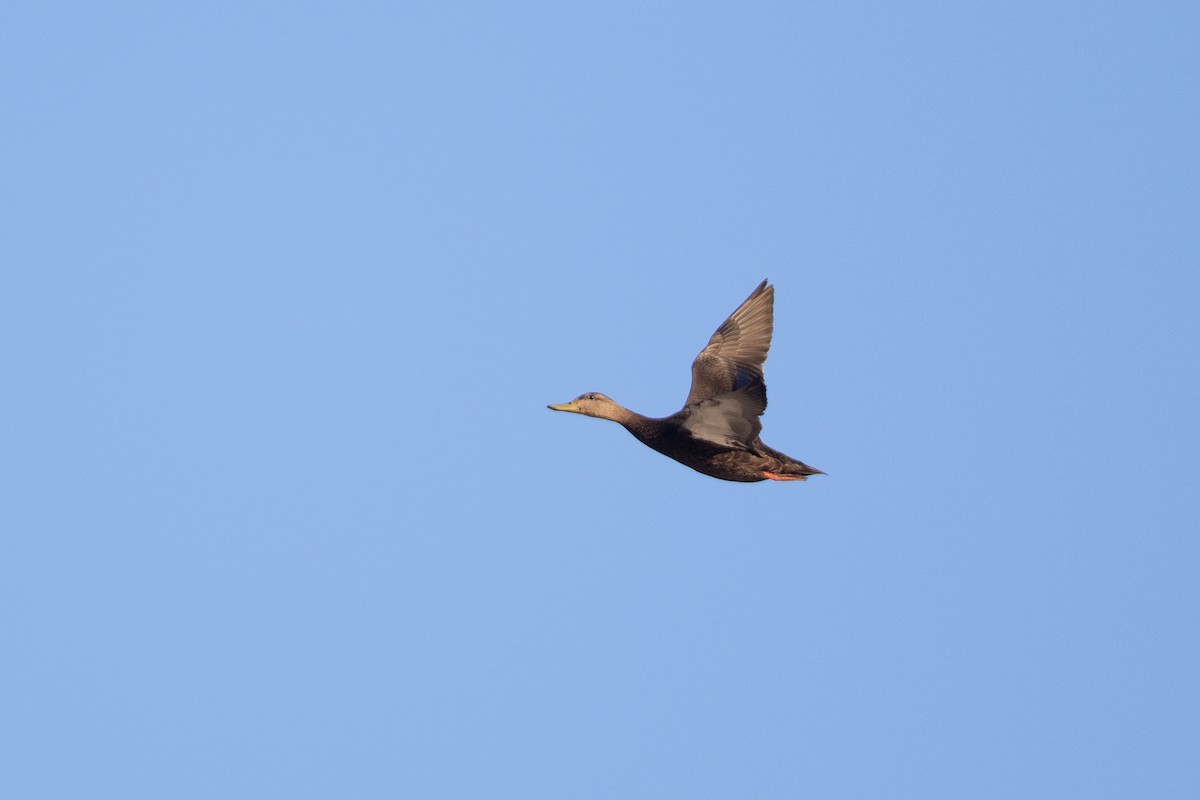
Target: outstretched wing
(734, 356)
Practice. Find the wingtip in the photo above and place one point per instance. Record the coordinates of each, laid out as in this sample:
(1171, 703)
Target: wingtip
(762, 288)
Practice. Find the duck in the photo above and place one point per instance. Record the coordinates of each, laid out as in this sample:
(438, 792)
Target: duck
(717, 431)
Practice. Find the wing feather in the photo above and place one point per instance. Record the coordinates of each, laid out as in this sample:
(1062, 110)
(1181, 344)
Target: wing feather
(735, 354)
(728, 420)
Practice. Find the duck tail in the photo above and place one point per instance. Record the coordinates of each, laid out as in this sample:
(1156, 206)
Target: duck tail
(807, 470)
(797, 470)
(789, 468)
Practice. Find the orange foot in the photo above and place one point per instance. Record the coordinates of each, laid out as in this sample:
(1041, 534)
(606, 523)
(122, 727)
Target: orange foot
(775, 477)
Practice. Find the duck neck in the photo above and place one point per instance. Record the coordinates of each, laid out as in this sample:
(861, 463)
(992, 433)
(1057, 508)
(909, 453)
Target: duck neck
(640, 426)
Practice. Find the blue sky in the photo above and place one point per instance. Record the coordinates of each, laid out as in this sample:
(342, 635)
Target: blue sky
(287, 288)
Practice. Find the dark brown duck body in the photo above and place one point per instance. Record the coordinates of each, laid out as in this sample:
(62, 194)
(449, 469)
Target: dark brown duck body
(757, 462)
(717, 430)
